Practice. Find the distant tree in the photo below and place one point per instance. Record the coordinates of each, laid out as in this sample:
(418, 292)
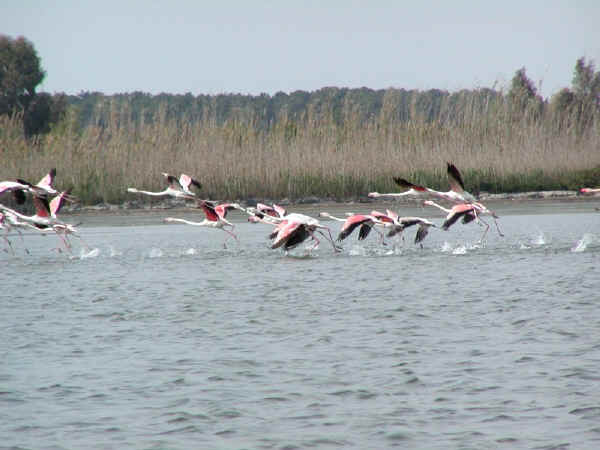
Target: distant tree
(523, 96)
(586, 92)
(20, 73)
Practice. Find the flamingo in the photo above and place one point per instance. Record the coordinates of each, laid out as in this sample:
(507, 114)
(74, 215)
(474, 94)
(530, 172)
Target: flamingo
(456, 194)
(262, 213)
(215, 217)
(18, 188)
(176, 188)
(294, 228)
(467, 211)
(589, 190)
(401, 223)
(364, 221)
(46, 215)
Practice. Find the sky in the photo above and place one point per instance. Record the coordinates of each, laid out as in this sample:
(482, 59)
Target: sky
(260, 46)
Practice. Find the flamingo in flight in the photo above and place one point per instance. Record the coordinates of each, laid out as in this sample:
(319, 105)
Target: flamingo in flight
(46, 216)
(178, 188)
(294, 228)
(468, 211)
(364, 222)
(215, 217)
(18, 188)
(263, 213)
(456, 194)
(399, 224)
(589, 190)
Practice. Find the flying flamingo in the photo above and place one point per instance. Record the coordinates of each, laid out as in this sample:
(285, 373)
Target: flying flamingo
(456, 194)
(262, 213)
(294, 228)
(589, 190)
(366, 222)
(176, 188)
(46, 215)
(18, 188)
(467, 211)
(215, 217)
(399, 224)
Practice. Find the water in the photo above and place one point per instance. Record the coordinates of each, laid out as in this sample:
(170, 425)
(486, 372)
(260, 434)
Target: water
(155, 336)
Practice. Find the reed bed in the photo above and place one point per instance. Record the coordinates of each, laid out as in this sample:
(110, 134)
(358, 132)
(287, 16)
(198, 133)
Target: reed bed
(320, 153)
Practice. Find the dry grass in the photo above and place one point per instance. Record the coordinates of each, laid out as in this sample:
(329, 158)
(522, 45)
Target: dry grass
(315, 155)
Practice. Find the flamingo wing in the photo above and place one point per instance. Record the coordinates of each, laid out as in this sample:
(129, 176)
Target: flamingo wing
(48, 179)
(186, 181)
(408, 185)
(455, 179)
(456, 213)
(382, 217)
(364, 230)
(280, 210)
(284, 233)
(57, 203)
(422, 232)
(223, 209)
(209, 211)
(172, 181)
(297, 237)
(42, 207)
(350, 225)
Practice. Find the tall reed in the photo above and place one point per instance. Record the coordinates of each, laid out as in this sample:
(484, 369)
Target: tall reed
(322, 152)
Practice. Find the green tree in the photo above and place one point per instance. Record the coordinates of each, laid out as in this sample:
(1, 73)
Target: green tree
(523, 96)
(20, 73)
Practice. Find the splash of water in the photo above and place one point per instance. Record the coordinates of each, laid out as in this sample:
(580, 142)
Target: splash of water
(446, 247)
(540, 239)
(357, 250)
(155, 253)
(460, 250)
(190, 251)
(93, 253)
(582, 243)
(114, 252)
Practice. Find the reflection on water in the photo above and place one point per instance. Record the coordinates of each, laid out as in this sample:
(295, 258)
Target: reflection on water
(155, 336)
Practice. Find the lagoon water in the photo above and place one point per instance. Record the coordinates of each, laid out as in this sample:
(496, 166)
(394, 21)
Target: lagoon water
(157, 337)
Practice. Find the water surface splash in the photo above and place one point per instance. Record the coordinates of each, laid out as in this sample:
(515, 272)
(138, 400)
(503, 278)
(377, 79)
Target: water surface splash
(582, 243)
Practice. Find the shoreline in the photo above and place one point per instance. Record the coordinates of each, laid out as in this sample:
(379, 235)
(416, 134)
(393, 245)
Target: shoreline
(140, 206)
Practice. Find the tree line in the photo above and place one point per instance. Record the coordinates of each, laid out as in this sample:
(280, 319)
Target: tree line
(21, 73)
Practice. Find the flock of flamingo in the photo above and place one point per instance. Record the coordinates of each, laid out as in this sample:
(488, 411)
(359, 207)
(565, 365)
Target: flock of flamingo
(289, 229)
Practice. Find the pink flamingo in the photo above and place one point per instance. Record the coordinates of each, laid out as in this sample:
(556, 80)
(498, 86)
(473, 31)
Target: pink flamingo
(46, 216)
(294, 228)
(364, 221)
(175, 188)
(18, 188)
(589, 190)
(456, 194)
(262, 213)
(215, 217)
(399, 224)
(469, 212)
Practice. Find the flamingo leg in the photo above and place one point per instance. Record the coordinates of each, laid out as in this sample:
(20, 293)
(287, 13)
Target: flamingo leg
(497, 227)
(9, 245)
(330, 239)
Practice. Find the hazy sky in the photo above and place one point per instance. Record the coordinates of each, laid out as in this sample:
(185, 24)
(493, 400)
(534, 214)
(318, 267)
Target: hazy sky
(254, 46)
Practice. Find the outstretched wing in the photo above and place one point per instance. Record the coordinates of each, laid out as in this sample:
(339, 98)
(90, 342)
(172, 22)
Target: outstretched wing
(42, 207)
(57, 202)
(48, 179)
(350, 225)
(421, 232)
(408, 185)
(186, 182)
(455, 179)
(172, 181)
(209, 211)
